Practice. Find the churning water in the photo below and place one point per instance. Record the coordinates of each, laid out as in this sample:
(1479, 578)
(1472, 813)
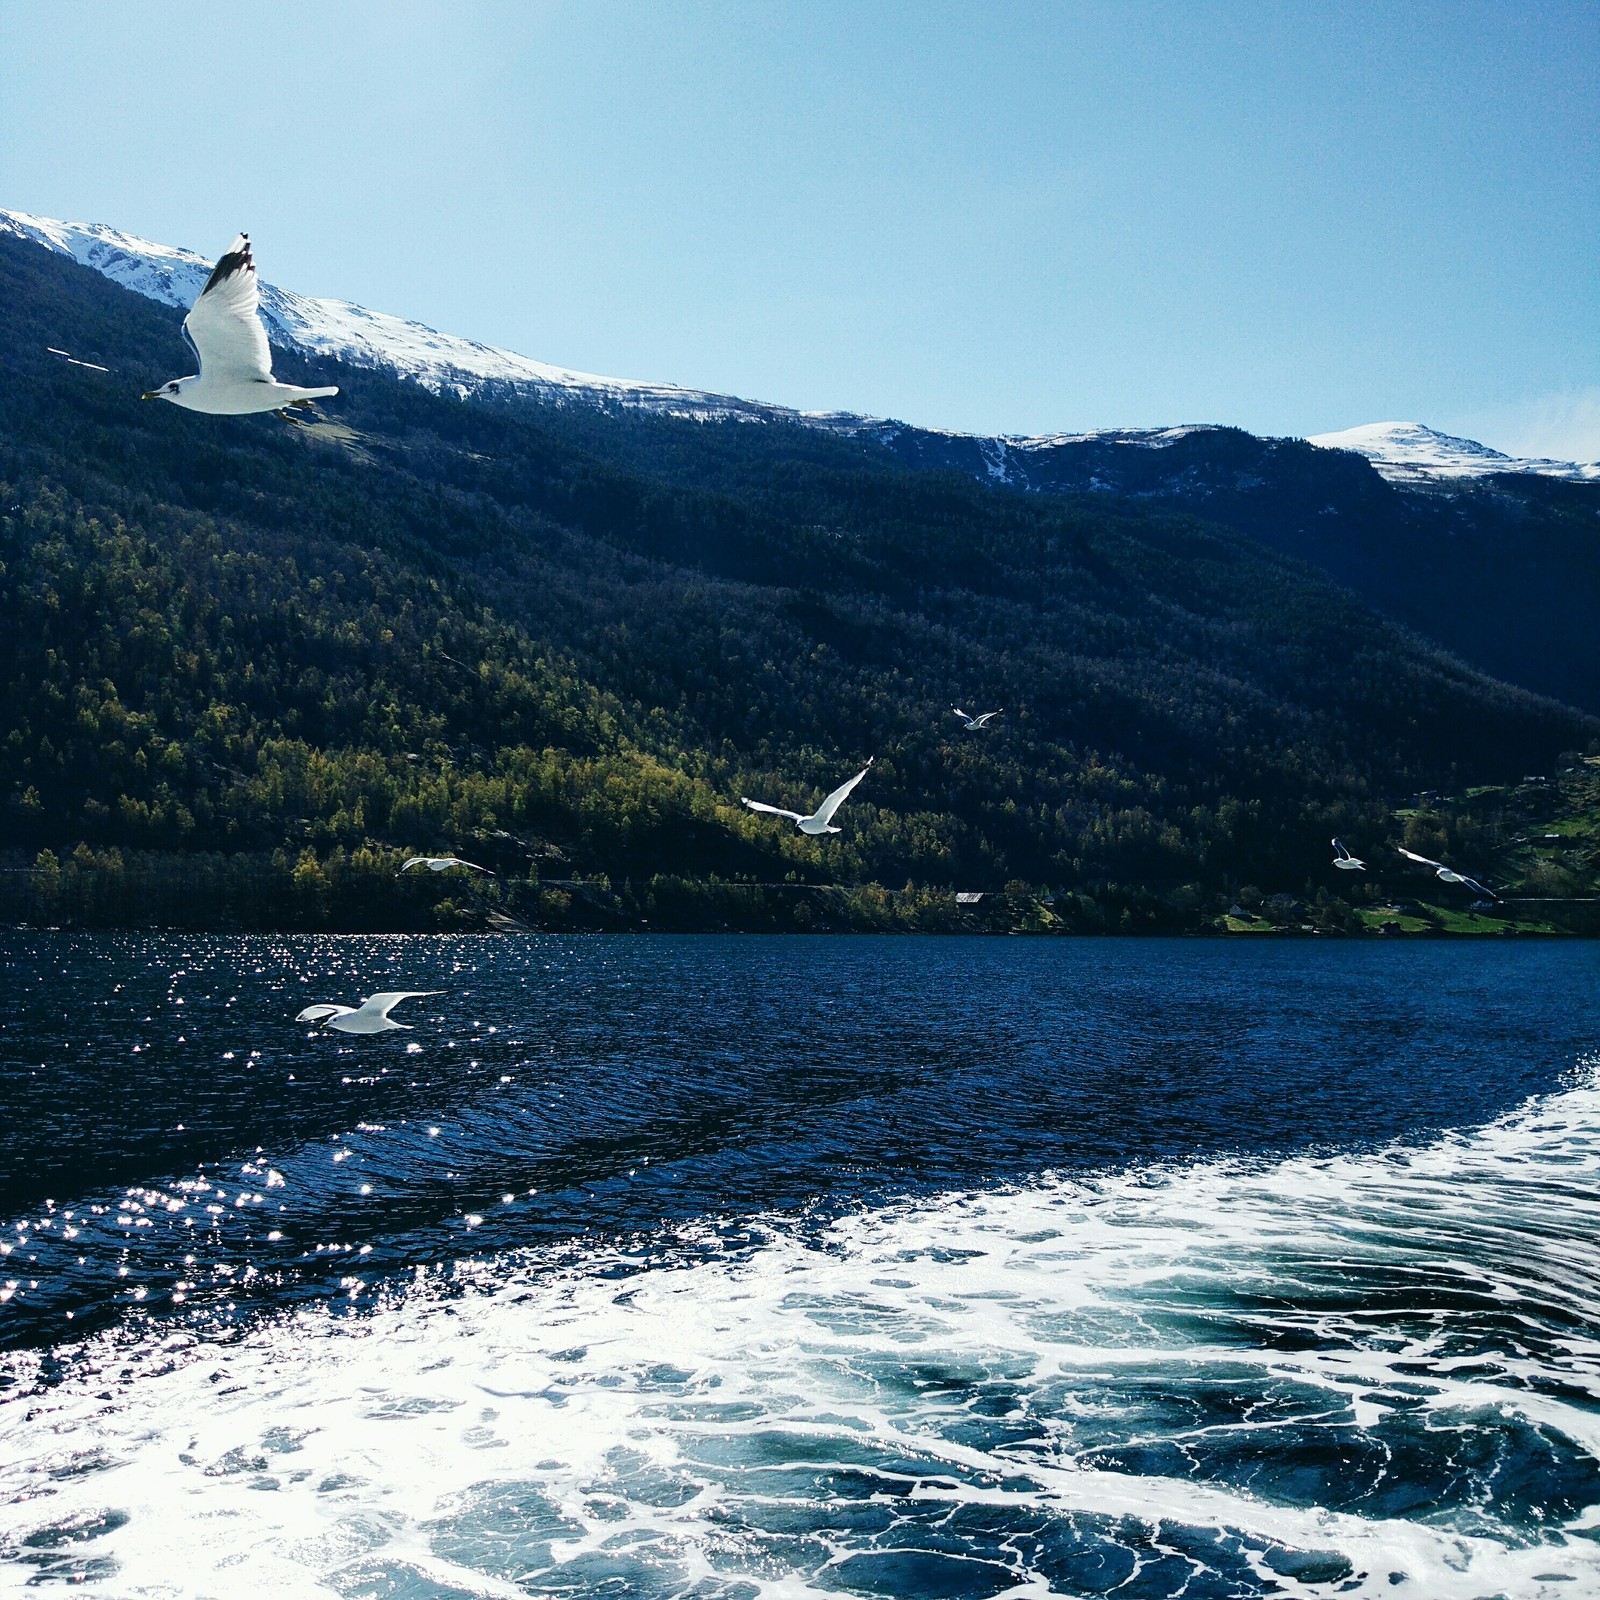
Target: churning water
(738, 1267)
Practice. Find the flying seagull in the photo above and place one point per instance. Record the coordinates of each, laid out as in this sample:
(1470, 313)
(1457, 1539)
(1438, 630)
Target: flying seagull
(224, 331)
(1447, 874)
(1347, 861)
(72, 361)
(972, 724)
(371, 1016)
(441, 864)
(821, 819)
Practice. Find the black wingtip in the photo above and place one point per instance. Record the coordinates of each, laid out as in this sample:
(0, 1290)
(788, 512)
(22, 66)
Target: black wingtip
(234, 261)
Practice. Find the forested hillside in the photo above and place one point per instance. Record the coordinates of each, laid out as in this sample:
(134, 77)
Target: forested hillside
(245, 666)
(1502, 570)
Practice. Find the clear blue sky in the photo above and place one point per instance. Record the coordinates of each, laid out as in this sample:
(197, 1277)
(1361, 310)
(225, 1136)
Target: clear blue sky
(1295, 217)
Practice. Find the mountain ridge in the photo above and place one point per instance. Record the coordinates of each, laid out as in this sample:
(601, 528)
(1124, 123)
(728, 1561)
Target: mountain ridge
(1503, 568)
(1408, 454)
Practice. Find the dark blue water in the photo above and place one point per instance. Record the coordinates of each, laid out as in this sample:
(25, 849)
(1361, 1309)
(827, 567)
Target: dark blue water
(891, 1266)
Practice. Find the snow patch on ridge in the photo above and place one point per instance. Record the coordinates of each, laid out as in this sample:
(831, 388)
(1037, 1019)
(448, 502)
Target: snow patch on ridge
(1408, 452)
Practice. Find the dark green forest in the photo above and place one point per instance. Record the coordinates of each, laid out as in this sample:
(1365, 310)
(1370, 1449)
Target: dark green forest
(248, 668)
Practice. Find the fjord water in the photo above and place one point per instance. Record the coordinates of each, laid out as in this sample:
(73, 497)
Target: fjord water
(765, 1266)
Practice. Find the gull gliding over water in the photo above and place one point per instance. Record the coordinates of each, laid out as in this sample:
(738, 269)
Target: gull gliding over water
(1447, 874)
(1346, 860)
(441, 864)
(371, 1016)
(224, 330)
(819, 820)
(972, 724)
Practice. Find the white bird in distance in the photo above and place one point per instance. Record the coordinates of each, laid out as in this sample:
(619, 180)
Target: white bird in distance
(225, 332)
(1447, 874)
(1345, 860)
(441, 864)
(371, 1016)
(972, 724)
(72, 361)
(821, 819)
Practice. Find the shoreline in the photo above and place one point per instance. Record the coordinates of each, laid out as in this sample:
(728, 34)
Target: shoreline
(1202, 934)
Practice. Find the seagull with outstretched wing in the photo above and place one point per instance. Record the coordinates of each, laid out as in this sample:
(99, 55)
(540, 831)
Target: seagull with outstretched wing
(442, 864)
(1345, 860)
(820, 820)
(973, 724)
(225, 332)
(371, 1016)
(1447, 874)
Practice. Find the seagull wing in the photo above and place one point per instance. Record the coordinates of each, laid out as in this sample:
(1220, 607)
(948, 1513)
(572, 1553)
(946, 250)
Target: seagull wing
(380, 1005)
(777, 811)
(323, 1012)
(415, 861)
(826, 810)
(224, 324)
(1426, 861)
(956, 711)
(1483, 889)
(983, 721)
(474, 865)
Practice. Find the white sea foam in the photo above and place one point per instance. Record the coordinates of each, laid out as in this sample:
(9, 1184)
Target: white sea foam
(1364, 1374)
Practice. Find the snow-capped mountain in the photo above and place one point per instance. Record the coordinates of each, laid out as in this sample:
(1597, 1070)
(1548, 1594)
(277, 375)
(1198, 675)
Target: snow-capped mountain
(1405, 453)
(445, 362)
(442, 361)
(1408, 452)
(354, 334)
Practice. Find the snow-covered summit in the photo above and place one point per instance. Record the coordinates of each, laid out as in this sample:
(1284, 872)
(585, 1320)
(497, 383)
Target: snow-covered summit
(1408, 452)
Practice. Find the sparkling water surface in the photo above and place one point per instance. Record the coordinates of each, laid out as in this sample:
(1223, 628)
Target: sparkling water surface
(766, 1266)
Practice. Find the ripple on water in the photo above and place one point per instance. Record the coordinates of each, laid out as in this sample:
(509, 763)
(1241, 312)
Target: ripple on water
(621, 1089)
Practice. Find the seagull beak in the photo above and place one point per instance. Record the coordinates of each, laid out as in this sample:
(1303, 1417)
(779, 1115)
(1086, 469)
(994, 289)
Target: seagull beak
(152, 395)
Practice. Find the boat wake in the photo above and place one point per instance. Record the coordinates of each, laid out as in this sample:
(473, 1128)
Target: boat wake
(1359, 1374)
